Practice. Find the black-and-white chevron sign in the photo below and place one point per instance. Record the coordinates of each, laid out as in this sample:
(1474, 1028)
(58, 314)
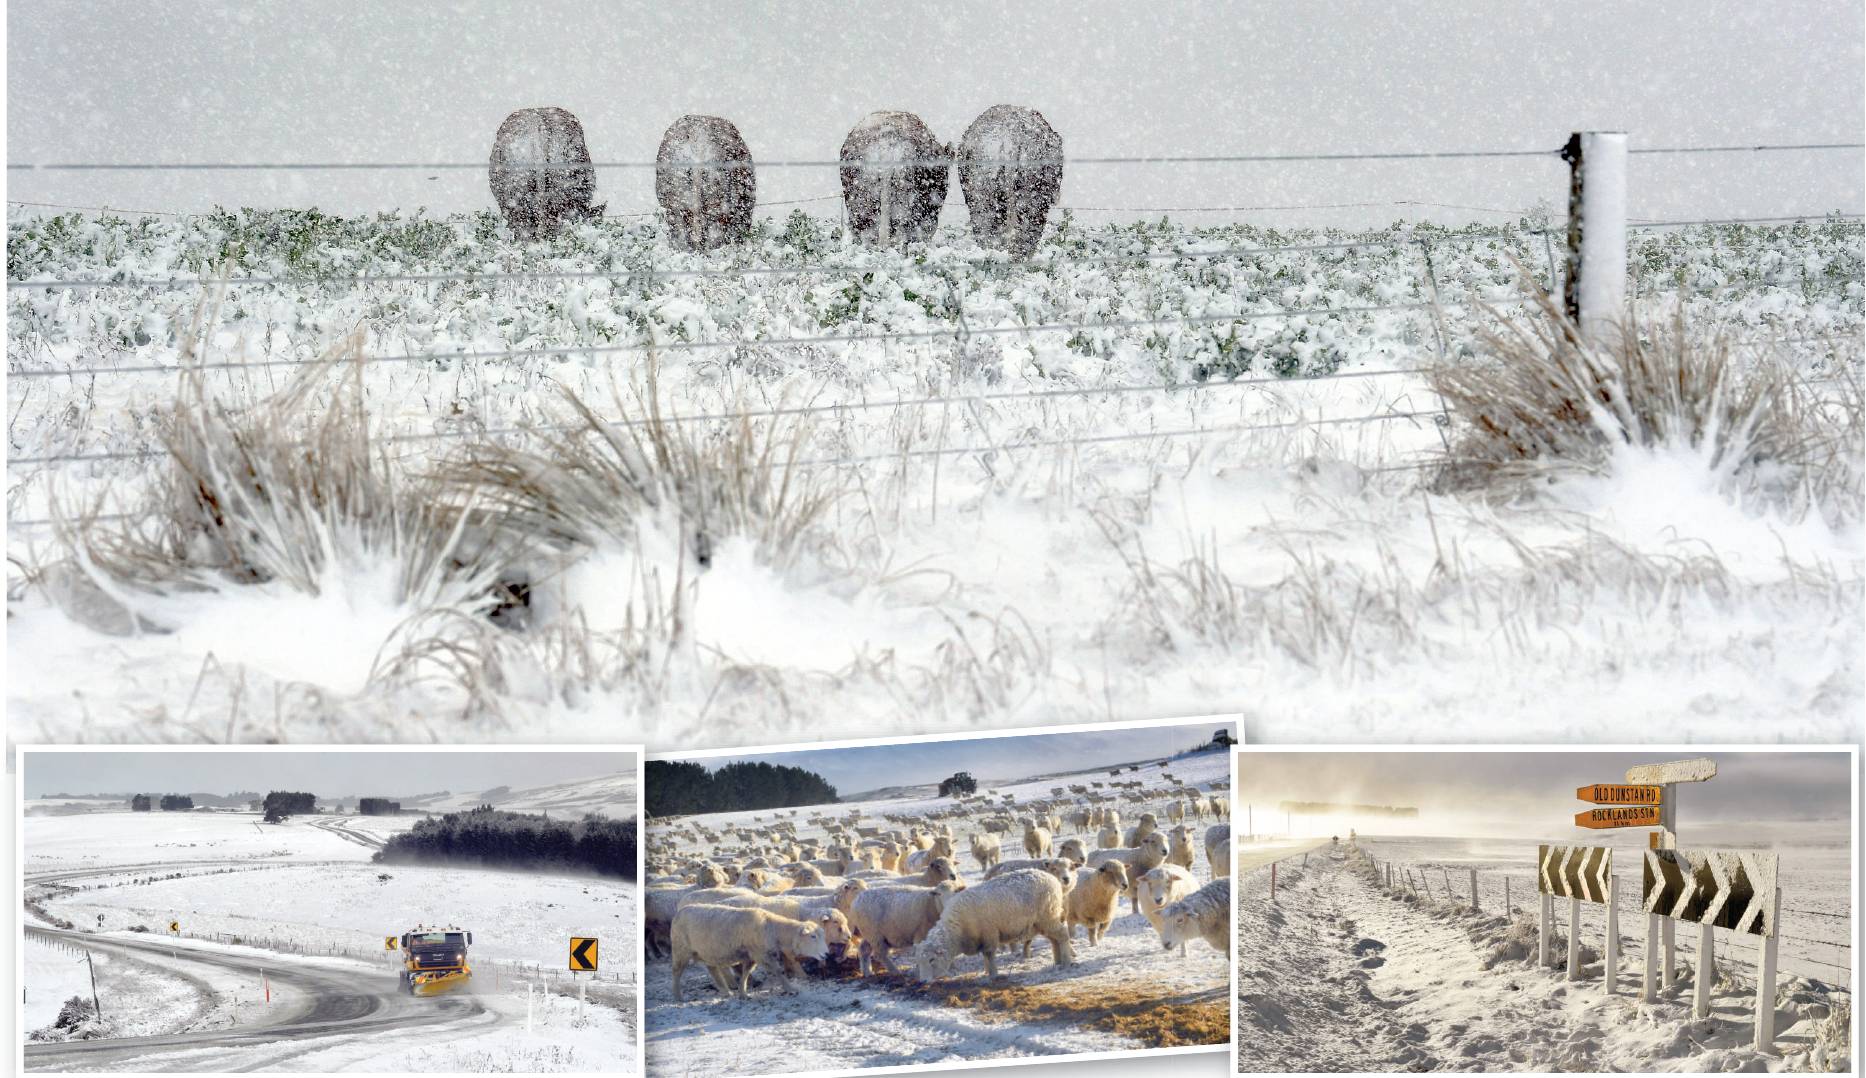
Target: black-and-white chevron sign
(1720, 888)
(1581, 872)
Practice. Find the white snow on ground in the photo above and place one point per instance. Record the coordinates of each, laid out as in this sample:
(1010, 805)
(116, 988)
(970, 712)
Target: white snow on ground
(54, 974)
(1338, 973)
(1125, 993)
(303, 892)
(1157, 575)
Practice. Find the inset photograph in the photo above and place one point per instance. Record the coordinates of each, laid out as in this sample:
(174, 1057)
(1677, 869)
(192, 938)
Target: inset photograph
(1063, 892)
(1546, 909)
(337, 910)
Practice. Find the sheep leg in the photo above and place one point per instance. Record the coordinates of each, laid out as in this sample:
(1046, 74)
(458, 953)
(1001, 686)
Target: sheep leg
(1059, 945)
(885, 952)
(680, 967)
(774, 963)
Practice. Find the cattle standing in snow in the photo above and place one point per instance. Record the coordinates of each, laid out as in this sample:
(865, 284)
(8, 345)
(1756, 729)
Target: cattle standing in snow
(540, 172)
(704, 181)
(894, 177)
(1009, 200)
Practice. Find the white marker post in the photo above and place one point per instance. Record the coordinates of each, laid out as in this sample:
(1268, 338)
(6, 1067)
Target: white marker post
(1548, 928)
(1649, 988)
(1612, 972)
(1765, 977)
(1473, 890)
(1574, 937)
(1595, 291)
(1707, 972)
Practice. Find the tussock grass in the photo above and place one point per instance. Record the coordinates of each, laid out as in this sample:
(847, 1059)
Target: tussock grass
(593, 482)
(285, 489)
(1550, 401)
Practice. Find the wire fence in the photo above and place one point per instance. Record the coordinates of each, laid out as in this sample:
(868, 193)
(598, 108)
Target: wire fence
(1453, 883)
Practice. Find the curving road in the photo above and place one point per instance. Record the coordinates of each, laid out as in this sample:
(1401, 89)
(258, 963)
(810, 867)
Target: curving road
(331, 1003)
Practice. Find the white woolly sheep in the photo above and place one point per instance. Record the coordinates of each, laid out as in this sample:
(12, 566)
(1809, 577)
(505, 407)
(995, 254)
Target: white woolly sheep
(1091, 902)
(1205, 914)
(894, 917)
(732, 941)
(1160, 888)
(1037, 840)
(1109, 837)
(1138, 833)
(1060, 867)
(1179, 846)
(1218, 849)
(1012, 908)
(1138, 860)
(1072, 849)
(986, 850)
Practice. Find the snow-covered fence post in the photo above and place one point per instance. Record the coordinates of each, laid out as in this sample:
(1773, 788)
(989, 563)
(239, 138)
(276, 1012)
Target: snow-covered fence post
(1649, 988)
(1594, 293)
(1273, 881)
(1506, 897)
(1574, 937)
(1473, 890)
(1612, 972)
(1765, 976)
(1706, 972)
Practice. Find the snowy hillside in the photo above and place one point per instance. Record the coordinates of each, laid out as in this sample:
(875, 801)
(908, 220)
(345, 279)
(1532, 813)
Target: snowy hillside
(968, 508)
(299, 910)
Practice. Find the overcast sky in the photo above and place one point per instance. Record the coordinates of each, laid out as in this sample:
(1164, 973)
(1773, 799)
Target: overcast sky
(1540, 785)
(990, 759)
(325, 773)
(376, 80)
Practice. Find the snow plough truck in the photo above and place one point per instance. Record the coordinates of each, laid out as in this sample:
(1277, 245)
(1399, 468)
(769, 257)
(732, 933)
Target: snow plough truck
(434, 960)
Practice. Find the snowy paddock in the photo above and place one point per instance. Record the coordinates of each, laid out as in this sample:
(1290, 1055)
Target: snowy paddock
(1341, 974)
(1002, 526)
(1127, 992)
(304, 895)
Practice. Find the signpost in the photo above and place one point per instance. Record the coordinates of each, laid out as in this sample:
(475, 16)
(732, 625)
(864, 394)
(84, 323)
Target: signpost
(1581, 874)
(1659, 930)
(1602, 793)
(583, 955)
(388, 943)
(1634, 816)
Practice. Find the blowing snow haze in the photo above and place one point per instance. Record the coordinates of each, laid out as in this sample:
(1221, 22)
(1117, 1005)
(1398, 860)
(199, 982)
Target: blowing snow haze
(1516, 793)
(328, 774)
(348, 82)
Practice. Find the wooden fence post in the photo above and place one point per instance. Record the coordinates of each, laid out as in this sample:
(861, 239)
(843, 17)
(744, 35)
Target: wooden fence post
(1473, 890)
(1273, 881)
(1594, 293)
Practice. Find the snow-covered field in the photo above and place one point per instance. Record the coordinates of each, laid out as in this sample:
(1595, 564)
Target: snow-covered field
(303, 895)
(1124, 993)
(989, 528)
(1339, 973)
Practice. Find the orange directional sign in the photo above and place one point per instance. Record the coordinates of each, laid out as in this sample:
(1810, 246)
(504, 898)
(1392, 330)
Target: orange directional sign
(1606, 793)
(1631, 816)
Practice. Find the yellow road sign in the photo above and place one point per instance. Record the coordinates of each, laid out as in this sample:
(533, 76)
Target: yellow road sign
(388, 943)
(1608, 793)
(583, 954)
(174, 926)
(1632, 816)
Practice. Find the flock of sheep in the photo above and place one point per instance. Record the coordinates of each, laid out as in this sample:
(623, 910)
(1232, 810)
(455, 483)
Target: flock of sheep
(744, 898)
(894, 177)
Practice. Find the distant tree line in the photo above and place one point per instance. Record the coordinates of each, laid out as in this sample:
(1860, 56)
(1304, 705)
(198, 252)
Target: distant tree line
(378, 806)
(492, 838)
(682, 788)
(177, 803)
(280, 804)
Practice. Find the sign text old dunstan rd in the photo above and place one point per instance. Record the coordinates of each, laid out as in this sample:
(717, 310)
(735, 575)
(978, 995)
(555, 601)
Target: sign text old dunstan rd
(1606, 793)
